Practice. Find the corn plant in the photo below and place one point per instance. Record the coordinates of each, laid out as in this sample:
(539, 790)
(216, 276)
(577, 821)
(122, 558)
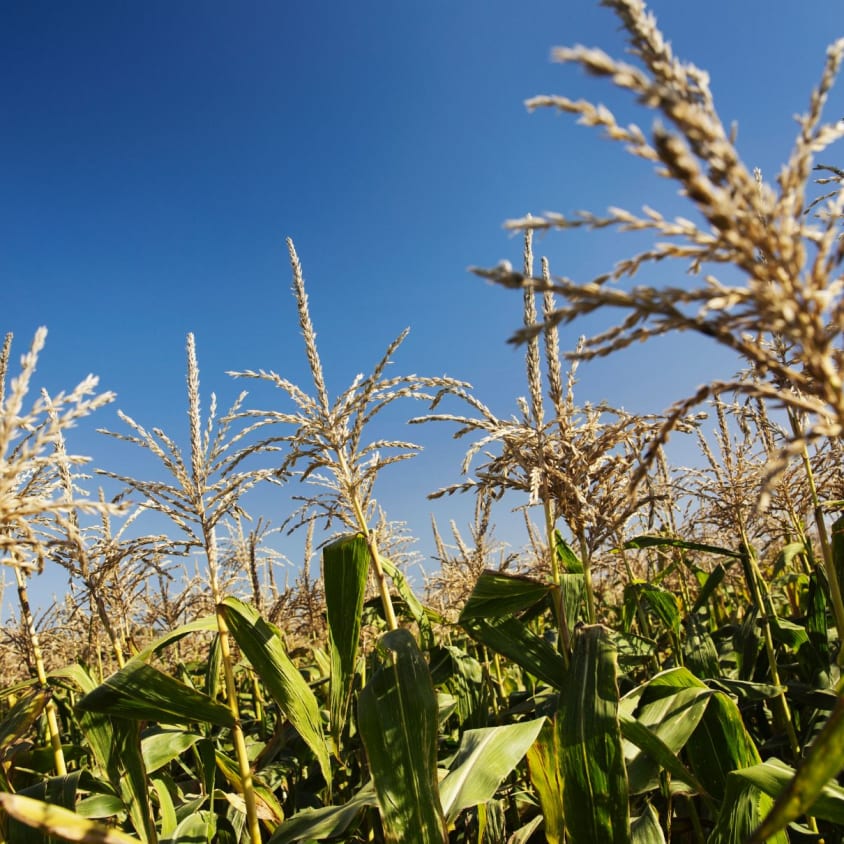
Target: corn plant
(204, 490)
(34, 507)
(327, 437)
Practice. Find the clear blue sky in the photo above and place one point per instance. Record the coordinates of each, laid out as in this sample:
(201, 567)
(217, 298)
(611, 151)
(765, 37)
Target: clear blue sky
(155, 155)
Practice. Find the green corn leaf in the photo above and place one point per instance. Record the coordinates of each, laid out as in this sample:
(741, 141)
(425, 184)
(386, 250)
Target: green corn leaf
(484, 758)
(100, 806)
(196, 827)
(657, 751)
(670, 542)
(823, 761)
(661, 602)
(545, 768)
(748, 643)
(57, 791)
(192, 807)
(815, 658)
(712, 581)
(489, 617)
(701, 655)
(595, 792)
(96, 726)
(162, 746)
(743, 807)
(462, 676)
(421, 614)
(511, 638)
(214, 668)
(164, 790)
(673, 714)
(788, 633)
(774, 777)
(524, 834)
(786, 556)
(573, 591)
(345, 566)
(142, 692)
(264, 649)
(127, 769)
(744, 690)
(498, 594)
(327, 822)
(491, 822)
(21, 717)
(269, 809)
(568, 560)
(720, 743)
(645, 829)
(59, 822)
(632, 651)
(629, 607)
(397, 720)
(206, 757)
(837, 537)
(115, 746)
(208, 624)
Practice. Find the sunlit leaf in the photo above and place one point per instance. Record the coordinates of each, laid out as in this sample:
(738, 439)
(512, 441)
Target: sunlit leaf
(497, 594)
(711, 582)
(742, 808)
(671, 542)
(345, 566)
(327, 822)
(595, 779)
(545, 768)
(484, 758)
(645, 828)
(159, 747)
(264, 649)
(397, 719)
(568, 560)
(511, 638)
(824, 759)
(62, 823)
(720, 742)
(142, 692)
(774, 777)
(21, 717)
(269, 809)
(658, 752)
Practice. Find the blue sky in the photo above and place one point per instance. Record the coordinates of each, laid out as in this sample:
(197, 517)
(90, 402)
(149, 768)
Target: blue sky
(155, 155)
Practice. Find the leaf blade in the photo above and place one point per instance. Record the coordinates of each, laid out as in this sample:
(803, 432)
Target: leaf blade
(398, 723)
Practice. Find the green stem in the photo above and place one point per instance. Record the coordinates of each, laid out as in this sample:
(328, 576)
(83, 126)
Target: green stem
(50, 710)
(556, 577)
(374, 555)
(378, 568)
(761, 597)
(826, 547)
(244, 767)
(587, 577)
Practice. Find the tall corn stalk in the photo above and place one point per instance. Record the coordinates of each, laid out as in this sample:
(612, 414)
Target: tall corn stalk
(35, 510)
(204, 490)
(327, 437)
(575, 464)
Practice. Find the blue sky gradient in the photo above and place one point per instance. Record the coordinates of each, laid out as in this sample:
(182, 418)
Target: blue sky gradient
(155, 155)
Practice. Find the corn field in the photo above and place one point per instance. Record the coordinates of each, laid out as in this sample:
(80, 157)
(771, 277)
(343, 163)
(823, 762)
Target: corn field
(661, 663)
